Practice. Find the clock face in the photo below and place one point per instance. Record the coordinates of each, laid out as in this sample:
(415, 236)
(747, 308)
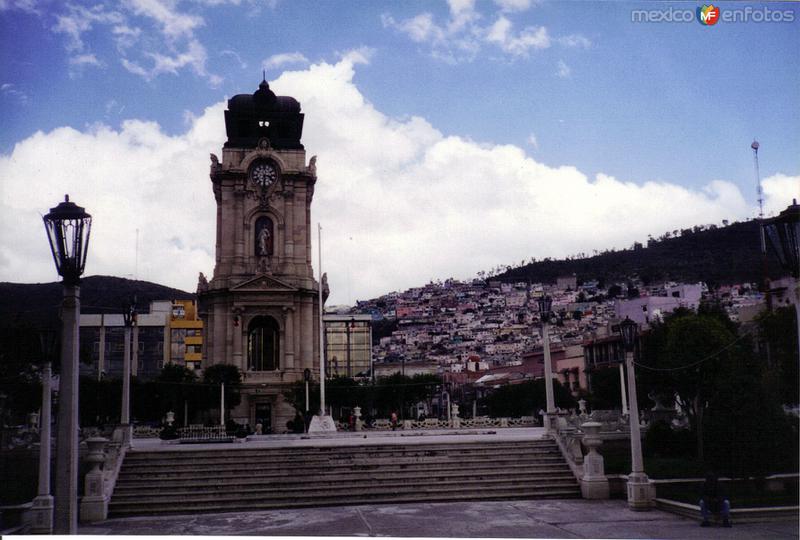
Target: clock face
(263, 174)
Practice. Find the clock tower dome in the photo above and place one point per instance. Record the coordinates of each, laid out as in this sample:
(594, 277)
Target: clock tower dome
(260, 307)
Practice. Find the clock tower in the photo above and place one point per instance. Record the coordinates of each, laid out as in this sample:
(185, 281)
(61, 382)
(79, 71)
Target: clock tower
(260, 307)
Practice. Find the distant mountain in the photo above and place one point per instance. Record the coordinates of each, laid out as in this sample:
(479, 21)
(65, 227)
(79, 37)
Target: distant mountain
(716, 255)
(39, 303)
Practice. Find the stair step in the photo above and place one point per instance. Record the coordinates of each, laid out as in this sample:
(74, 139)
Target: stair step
(180, 481)
(159, 490)
(435, 495)
(333, 476)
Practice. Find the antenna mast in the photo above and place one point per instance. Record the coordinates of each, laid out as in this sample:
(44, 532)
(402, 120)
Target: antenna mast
(760, 193)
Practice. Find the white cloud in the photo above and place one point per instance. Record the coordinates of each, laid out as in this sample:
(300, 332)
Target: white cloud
(416, 203)
(10, 91)
(563, 70)
(85, 60)
(464, 34)
(575, 41)
(28, 6)
(167, 39)
(513, 5)
(279, 60)
(235, 56)
(531, 37)
(779, 190)
(173, 23)
(533, 141)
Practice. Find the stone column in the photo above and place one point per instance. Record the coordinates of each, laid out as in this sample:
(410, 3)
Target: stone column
(288, 338)
(289, 229)
(640, 489)
(42, 510)
(94, 505)
(66, 495)
(357, 415)
(594, 483)
(622, 390)
(239, 231)
(548, 378)
(237, 339)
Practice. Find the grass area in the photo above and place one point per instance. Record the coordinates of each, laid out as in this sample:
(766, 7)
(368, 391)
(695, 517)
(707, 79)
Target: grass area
(618, 461)
(741, 493)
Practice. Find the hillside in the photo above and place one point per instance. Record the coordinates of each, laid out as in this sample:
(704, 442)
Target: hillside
(716, 255)
(37, 303)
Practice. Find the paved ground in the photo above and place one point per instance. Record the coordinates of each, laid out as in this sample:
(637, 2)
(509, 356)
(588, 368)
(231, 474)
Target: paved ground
(514, 519)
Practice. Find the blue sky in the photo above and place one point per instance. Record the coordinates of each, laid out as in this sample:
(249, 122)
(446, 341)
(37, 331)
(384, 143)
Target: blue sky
(546, 88)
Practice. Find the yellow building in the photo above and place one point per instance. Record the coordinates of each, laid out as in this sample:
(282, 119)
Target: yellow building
(185, 330)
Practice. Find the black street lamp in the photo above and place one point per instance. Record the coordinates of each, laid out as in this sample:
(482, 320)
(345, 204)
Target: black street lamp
(68, 227)
(545, 312)
(783, 232)
(640, 490)
(629, 331)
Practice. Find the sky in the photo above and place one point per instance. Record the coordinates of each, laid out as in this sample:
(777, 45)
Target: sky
(452, 137)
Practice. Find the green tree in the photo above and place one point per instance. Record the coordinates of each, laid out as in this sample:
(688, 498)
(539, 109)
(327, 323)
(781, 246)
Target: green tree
(214, 376)
(526, 399)
(295, 395)
(778, 332)
(688, 354)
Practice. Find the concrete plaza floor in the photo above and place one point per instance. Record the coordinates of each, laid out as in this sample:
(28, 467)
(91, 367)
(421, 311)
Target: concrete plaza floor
(495, 519)
(490, 519)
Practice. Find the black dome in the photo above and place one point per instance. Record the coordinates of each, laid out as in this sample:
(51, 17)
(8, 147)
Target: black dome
(251, 117)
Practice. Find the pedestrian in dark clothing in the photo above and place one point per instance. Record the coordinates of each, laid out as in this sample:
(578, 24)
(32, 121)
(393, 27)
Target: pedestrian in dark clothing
(714, 500)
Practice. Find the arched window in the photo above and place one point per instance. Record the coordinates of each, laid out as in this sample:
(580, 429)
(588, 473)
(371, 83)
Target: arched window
(263, 344)
(264, 237)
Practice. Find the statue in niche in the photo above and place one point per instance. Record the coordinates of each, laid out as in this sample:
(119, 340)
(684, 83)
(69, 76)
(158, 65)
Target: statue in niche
(202, 283)
(263, 237)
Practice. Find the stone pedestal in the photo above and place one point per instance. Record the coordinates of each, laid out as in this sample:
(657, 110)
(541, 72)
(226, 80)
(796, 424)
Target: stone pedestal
(322, 424)
(454, 419)
(94, 505)
(641, 492)
(594, 483)
(357, 414)
(41, 515)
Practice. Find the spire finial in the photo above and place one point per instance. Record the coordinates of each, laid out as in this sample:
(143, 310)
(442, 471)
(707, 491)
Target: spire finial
(263, 74)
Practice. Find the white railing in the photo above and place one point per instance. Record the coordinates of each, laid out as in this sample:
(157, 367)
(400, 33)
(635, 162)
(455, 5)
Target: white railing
(384, 424)
(203, 433)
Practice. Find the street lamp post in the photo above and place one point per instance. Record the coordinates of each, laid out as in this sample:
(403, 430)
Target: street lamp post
(128, 316)
(42, 508)
(640, 496)
(545, 306)
(68, 227)
(783, 232)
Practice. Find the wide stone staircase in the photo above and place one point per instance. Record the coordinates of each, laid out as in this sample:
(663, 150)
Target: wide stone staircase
(235, 478)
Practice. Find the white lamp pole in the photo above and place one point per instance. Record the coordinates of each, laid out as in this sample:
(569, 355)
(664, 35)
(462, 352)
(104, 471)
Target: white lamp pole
(545, 305)
(640, 491)
(321, 329)
(622, 389)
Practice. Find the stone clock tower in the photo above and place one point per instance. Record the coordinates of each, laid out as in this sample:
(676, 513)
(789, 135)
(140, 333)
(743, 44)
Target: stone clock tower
(261, 308)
